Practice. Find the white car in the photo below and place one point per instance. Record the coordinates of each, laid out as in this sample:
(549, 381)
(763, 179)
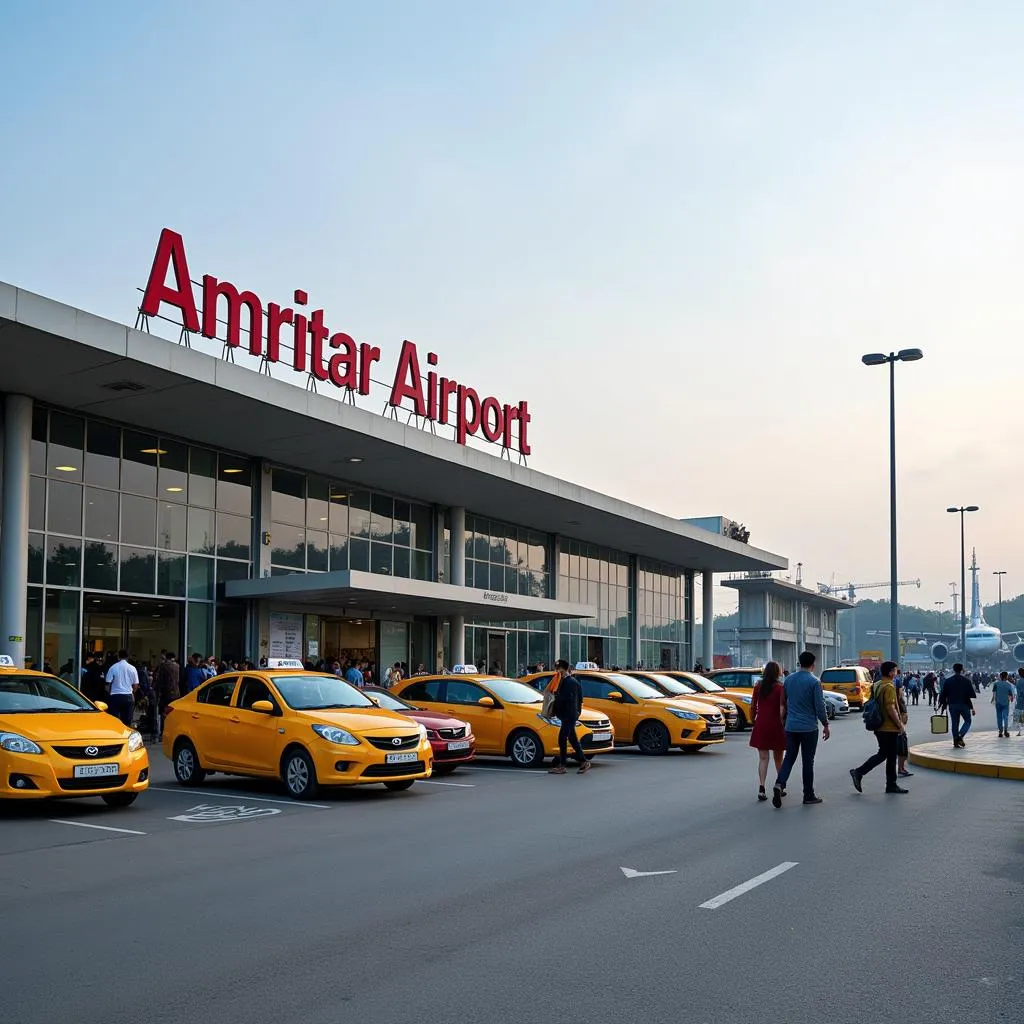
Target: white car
(835, 704)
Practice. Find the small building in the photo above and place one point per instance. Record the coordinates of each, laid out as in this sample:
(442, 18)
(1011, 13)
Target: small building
(779, 619)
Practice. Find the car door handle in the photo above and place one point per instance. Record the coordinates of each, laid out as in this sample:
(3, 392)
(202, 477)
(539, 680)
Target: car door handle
(195, 716)
(235, 718)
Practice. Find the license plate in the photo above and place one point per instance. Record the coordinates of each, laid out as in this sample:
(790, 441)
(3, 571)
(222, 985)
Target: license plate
(89, 771)
(459, 745)
(716, 728)
(602, 737)
(401, 758)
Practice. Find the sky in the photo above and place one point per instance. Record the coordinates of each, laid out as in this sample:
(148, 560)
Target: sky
(674, 228)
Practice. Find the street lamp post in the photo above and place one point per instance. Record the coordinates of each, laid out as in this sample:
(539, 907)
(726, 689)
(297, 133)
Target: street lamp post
(963, 579)
(1000, 573)
(906, 355)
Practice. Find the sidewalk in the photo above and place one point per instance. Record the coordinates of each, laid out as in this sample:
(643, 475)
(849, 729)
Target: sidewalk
(985, 754)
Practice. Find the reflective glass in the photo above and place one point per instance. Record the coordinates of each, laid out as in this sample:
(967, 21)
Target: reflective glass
(170, 526)
(380, 558)
(338, 513)
(100, 565)
(316, 551)
(339, 553)
(200, 577)
(67, 446)
(35, 557)
(421, 521)
(422, 563)
(34, 628)
(103, 455)
(202, 478)
(36, 503)
(289, 545)
(138, 463)
(138, 521)
(317, 501)
(402, 564)
(359, 514)
(172, 479)
(382, 518)
(64, 508)
(199, 628)
(233, 535)
(138, 570)
(200, 530)
(234, 485)
(288, 497)
(359, 554)
(40, 428)
(101, 513)
(231, 571)
(60, 632)
(170, 575)
(403, 524)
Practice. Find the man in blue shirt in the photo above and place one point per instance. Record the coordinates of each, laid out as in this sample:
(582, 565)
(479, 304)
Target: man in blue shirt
(353, 675)
(803, 707)
(1003, 692)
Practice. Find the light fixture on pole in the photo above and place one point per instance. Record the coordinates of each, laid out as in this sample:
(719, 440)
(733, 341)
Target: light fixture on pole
(1000, 573)
(963, 579)
(906, 355)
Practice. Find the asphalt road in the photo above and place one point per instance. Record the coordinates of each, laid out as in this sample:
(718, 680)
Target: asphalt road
(499, 896)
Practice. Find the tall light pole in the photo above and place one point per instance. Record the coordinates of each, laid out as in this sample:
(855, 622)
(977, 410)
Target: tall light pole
(1000, 573)
(905, 355)
(963, 579)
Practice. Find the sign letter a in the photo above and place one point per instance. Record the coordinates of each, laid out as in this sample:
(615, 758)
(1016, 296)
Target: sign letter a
(170, 252)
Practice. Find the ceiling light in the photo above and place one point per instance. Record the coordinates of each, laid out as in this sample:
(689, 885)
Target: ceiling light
(66, 469)
(233, 470)
(153, 451)
(353, 458)
(135, 602)
(95, 600)
(323, 519)
(175, 490)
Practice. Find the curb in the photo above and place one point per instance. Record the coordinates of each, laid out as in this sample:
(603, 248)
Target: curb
(980, 768)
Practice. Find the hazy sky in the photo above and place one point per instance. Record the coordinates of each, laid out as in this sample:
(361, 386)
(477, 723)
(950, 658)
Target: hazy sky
(673, 227)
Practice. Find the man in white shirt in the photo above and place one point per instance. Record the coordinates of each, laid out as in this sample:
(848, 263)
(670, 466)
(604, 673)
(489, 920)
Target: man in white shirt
(122, 681)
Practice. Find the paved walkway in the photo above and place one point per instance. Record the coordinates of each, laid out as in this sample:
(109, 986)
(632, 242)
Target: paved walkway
(985, 754)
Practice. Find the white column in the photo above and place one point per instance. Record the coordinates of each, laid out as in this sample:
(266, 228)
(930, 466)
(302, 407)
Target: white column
(708, 627)
(14, 526)
(691, 619)
(457, 556)
(636, 604)
(801, 639)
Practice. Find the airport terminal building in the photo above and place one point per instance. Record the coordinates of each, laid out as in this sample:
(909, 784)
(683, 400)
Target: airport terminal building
(255, 503)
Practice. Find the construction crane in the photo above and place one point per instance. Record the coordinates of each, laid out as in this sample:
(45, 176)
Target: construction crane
(852, 588)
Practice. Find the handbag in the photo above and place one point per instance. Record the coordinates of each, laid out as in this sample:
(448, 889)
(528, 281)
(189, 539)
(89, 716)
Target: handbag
(940, 724)
(902, 745)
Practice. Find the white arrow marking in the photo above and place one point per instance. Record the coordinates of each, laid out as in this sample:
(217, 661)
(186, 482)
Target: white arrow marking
(633, 873)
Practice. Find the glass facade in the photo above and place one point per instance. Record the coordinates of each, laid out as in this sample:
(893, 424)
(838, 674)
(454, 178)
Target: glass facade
(319, 525)
(118, 511)
(663, 602)
(506, 558)
(515, 647)
(597, 576)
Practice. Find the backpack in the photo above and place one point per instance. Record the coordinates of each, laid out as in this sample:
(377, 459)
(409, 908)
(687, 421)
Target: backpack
(872, 714)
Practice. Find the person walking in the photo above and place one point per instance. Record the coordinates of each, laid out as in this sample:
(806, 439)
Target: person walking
(166, 680)
(1003, 692)
(956, 697)
(929, 688)
(888, 734)
(123, 681)
(567, 705)
(803, 707)
(768, 736)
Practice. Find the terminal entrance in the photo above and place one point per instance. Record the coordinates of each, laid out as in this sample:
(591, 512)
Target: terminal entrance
(144, 627)
(380, 642)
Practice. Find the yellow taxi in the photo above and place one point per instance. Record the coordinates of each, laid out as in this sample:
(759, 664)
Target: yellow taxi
(852, 681)
(642, 715)
(741, 699)
(505, 715)
(672, 684)
(54, 742)
(308, 729)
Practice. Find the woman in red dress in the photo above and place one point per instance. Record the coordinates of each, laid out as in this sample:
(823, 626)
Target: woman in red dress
(769, 733)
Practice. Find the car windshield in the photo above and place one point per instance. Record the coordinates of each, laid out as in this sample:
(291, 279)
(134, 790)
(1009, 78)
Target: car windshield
(389, 701)
(318, 693)
(674, 686)
(710, 686)
(28, 695)
(635, 687)
(513, 692)
(839, 675)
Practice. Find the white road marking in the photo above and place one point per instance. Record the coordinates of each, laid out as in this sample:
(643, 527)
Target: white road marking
(105, 828)
(753, 883)
(239, 796)
(459, 785)
(222, 813)
(507, 771)
(633, 873)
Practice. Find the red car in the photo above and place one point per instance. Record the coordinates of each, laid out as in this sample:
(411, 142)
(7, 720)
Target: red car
(452, 740)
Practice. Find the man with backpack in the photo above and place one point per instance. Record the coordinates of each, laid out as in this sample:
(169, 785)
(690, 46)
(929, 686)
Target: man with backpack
(882, 717)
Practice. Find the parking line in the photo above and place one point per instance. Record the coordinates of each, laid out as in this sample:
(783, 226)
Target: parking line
(508, 771)
(255, 797)
(458, 785)
(753, 883)
(105, 828)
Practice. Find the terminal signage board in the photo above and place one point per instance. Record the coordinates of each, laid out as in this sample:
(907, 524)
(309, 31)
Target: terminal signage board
(329, 356)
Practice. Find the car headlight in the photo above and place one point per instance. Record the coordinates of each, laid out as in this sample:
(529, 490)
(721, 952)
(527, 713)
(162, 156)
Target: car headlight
(556, 722)
(15, 744)
(688, 715)
(423, 732)
(333, 734)
(135, 741)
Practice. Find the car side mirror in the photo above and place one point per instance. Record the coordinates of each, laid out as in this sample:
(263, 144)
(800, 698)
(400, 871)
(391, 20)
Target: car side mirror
(262, 707)
(101, 704)
(486, 702)
(615, 695)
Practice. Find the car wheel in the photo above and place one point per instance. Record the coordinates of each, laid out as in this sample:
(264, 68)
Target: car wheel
(652, 738)
(299, 774)
(740, 723)
(399, 785)
(444, 769)
(830, 712)
(187, 769)
(526, 749)
(119, 799)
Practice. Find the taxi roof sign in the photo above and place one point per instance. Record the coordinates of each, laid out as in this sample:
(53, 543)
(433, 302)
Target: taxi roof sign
(6, 661)
(284, 663)
(590, 666)
(464, 670)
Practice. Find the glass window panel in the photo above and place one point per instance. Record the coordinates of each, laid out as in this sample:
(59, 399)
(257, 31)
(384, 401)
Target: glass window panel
(64, 508)
(200, 530)
(101, 513)
(40, 427)
(60, 633)
(233, 536)
(199, 628)
(138, 521)
(234, 485)
(359, 514)
(36, 503)
(338, 512)
(289, 545)
(288, 497)
(381, 558)
(359, 554)
(138, 570)
(103, 455)
(202, 478)
(421, 521)
(402, 564)
(67, 445)
(316, 551)
(470, 571)
(35, 557)
(422, 565)
(100, 565)
(403, 525)
(317, 503)
(138, 463)
(170, 526)
(339, 553)
(34, 628)
(382, 519)
(172, 476)
(170, 575)
(200, 577)
(230, 626)
(511, 581)
(231, 571)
